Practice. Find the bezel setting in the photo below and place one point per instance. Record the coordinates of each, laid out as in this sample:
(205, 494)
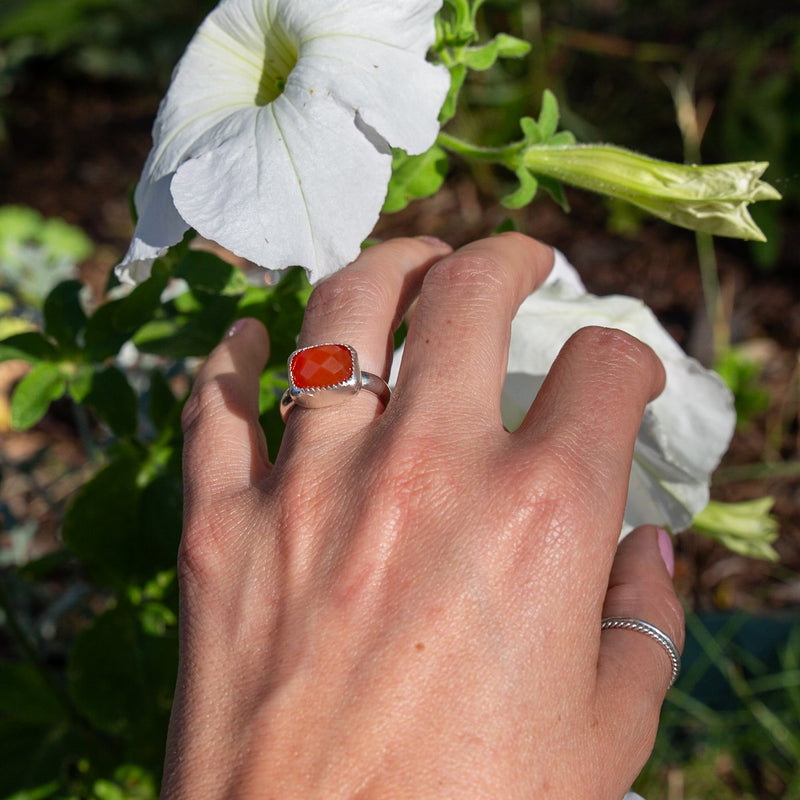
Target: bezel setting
(322, 396)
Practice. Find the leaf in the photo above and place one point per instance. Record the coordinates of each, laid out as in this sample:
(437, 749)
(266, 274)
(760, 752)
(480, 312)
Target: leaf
(113, 323)
(112, 397)
(26, 696)
(195, 334)
(30, 346)
(548, 115)
(414, 177)
(64, 317)
(122, 679)
(126, 532)
(458, 74)
(528, 186)
(209, 273)
(511, 46)
(34, 393)
(163, 403)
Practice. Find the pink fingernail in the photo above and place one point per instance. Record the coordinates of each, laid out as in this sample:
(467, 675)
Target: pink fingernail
(667, 553)
(235, 328)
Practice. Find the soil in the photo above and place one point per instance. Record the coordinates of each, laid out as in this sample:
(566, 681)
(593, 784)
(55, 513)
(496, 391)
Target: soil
(75, 148)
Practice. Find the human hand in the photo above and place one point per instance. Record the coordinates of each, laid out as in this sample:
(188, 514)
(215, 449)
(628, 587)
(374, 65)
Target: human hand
(408, 603)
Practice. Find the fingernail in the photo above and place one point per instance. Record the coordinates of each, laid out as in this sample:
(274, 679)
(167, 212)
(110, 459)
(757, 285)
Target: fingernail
(235, 328)
(667, 553)
(433, 241)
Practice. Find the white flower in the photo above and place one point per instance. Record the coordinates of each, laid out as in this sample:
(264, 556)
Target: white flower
(274, 137)
(685, 431)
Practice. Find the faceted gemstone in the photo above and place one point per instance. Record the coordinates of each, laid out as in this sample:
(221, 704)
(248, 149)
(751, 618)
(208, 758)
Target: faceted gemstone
(321, 367)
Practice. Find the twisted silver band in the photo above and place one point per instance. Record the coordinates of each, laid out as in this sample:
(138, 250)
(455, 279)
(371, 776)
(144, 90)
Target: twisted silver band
(640, 626)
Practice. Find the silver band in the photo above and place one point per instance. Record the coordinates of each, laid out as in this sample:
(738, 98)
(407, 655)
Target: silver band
(350, 380)
(640, 626)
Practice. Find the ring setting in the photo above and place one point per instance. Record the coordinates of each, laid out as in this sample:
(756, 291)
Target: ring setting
(325, 375)
(640, 626)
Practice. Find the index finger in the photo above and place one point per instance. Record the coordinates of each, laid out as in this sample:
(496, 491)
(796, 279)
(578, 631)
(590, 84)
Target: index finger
(224, 446)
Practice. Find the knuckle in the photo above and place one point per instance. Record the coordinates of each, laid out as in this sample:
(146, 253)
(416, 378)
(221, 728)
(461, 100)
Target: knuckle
(205, 397)
(465, 272)
(622, 358)
(345, 292)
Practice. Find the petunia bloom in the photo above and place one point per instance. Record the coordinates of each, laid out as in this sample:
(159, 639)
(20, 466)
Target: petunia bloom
(274, 138)
(684, 432)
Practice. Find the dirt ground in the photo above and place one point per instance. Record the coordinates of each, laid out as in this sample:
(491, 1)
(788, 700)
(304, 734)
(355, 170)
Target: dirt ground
(75, 150)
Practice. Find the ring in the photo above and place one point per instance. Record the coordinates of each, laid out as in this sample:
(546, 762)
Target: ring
(325, 375)
(640, 626)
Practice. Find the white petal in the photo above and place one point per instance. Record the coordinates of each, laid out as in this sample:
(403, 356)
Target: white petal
(360, 83)
(370, 56)
(283, 187)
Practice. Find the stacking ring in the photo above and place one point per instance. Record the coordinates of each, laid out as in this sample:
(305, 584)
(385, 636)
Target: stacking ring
(640, 626)
(325, 375)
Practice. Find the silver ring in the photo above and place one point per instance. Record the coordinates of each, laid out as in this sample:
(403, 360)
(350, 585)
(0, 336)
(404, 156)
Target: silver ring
(328, 374)
(640, 626)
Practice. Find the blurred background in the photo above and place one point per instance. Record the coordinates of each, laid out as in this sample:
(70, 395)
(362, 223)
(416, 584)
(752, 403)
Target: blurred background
(711, 81)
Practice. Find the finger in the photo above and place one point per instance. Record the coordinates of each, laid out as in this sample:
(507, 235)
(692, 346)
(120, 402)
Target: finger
(457, 344)
(363, 304)
(583, 424)
(224, 446)
(634, 670)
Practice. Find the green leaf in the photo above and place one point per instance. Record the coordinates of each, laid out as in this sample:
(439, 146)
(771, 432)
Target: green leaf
(163, 403)
(30, 346)
(113, 323)
(64, 318)
(112, 397)
(548, 115)
(414, 177)
(193, 334)
(458, 74)
(502, 46)
(121, 679)
(126, 533)
(209, 273)
(26, 696)
(528, 185)
(511, 46)
(530, 130)
(34, 393)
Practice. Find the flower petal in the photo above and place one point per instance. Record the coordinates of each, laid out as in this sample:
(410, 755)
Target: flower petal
(274, 137)
(371, 57)
(282, 187)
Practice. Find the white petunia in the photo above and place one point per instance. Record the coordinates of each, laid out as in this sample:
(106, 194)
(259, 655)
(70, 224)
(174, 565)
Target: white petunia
(274, 137)
(685, 431)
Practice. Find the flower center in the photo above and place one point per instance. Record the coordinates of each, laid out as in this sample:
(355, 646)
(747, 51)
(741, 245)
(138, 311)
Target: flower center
(280, 56)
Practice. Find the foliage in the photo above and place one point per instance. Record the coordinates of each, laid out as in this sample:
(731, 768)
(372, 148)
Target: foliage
(729, 726)
(97, 728)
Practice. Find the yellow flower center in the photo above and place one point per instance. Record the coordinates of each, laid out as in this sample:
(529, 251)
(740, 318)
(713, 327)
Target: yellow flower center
(280, 56)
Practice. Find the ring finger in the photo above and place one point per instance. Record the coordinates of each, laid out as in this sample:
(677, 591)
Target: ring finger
(362, 305)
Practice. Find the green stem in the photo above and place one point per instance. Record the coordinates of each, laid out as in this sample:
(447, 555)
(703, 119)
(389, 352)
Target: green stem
(755, 472)
(507, 155)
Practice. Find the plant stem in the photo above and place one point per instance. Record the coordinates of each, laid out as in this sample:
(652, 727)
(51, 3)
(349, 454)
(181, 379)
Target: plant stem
(495, 155)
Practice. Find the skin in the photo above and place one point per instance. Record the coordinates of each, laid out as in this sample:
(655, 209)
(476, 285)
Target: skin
(407, 604)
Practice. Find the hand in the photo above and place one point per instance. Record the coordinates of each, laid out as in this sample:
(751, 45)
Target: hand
(408, 603)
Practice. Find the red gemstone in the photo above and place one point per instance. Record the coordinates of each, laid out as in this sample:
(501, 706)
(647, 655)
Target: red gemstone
(321, 367)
